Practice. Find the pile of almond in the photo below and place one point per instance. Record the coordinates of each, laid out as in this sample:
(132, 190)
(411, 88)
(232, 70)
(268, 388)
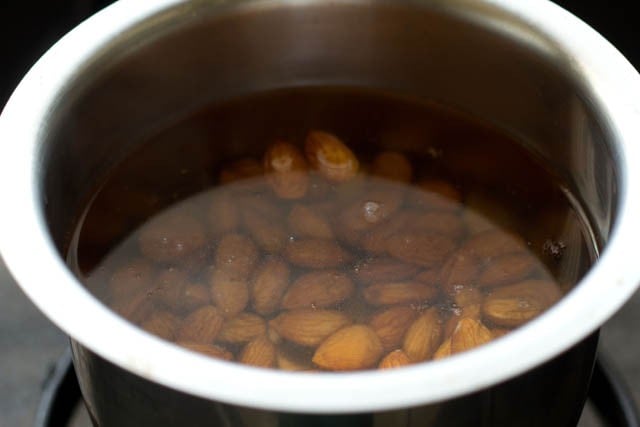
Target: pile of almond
(313, 259)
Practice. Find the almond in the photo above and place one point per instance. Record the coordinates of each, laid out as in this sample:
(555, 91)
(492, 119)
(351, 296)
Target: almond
(240, 170)
(170, 236)
(392, 165)
(473, 311)
(288, 363)
(318, 289)
(316, 253)
(169, 287)
(466, 296)
(223, 213)
(513, 305)
(305, 222)
(468, 334)
(444, 350)
(459, 271)
(391, 324)
(286, 170)
(195, 295)
(330, 156)
(398, 293)
(236, 255)
(207, 349)
(507, 269)
(426, 250)
(242, 328)
(259, 352)
(376, 239)
(395, 359)
(493, 243)
(428, 277)
(351, 348)
(498, 333)
(270, 235)
(133, 278)
(438, 195)
(136, 307)
(380, 202)
(201, 326)
(423, 336)
(308, 327)
(383, 270)
(270, 282)
(230, 294)
(445, 223)
(162, 323)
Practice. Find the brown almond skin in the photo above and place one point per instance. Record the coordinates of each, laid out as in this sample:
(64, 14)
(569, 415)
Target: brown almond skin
(163, 324)
(439, 195)
(380, 202)
(268, 233)
(223, 214)
(467, 296)
(392, 165)
(468, 334)
(287, 363)
(459, 271)
(330, 156)
(240, 170)
(136, 307)
(493, 243)
(507, 269)
(444, 350)
(195, 295)
(170, 236)
(473, 311)
(391, 324)
(428, 277)
(269, 284)
(231, 295)
(286, 170)
(423, 336)
(202, 326)
(169, 287)
(376, 239)
(376, 270)
(440, 222)
(242, 328)
(514, 305)
(308, 327)
(131, 279)
(259, 352)
(207, 349)
(351, 348)
(236, 256)
(398, 293)
(426, 250)
(395, 359)
(318, 289)
(305, 222)
(316, 253)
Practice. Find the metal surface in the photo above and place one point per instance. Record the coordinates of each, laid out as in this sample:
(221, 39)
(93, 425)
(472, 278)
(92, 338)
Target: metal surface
(527, 66)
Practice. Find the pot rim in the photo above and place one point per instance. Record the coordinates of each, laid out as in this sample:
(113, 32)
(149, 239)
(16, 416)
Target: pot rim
(33, 260)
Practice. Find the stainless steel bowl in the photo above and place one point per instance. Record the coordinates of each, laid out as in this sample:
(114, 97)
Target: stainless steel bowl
(525, 65)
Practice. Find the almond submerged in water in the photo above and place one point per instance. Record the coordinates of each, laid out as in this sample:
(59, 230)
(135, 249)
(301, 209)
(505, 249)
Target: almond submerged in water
(352, 348)
(308, 327)
(318, 290)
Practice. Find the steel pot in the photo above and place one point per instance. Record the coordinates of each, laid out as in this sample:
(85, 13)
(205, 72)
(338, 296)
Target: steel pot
(527, 66)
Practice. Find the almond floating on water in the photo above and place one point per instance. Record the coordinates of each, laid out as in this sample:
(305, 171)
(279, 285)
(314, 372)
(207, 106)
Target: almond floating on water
(318, 289)
(308, 327)
(269, 284)
(395, 359)
(350, 348)
(507, 269)
(260, 352)
(439, 195)
(391, 324)
(316, 253)
(268, 233)
(207, 349)
(242, 328)
(426, 250)
(130, 279)
(163, 324)
(423, 336)
(382, 270)
(392, 165)
(330, 156)
(398, 293)
(236, 256)
(170, 236)
(444, 350)
(514, 305)
(286, 170)
(240, 170)
(202, 326)
(231, 295)
(469, 333)
(305, 222)
(223, 213)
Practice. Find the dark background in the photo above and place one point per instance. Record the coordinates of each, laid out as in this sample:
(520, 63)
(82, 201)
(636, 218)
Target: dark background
(30, 344)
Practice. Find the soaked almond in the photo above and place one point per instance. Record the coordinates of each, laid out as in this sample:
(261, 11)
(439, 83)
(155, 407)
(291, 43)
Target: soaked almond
(423, 336)
(468, 334)
(426, 250)
(236, 256)
(316, 253)
(201, 326)
(223, 214)
(398, 293)
(242, 328)
(395, 359)
(507, 269)
(207, 349)
(163, 324)
(392, 165)
(351, 348)
(308, 327)
(318, 289)
(131, 279)
(260, 352)
(439, 195)
(391, 324)
(228, 293)
(269, 284)
(383, 269)
(305, 222)
(513, 305)
(330, 156)
(286, 170)
(270, 235)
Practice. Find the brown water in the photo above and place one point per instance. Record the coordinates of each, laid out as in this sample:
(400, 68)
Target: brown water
(447, 234)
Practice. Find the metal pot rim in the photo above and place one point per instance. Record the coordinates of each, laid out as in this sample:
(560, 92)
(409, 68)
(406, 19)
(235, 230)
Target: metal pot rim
(32, 258)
